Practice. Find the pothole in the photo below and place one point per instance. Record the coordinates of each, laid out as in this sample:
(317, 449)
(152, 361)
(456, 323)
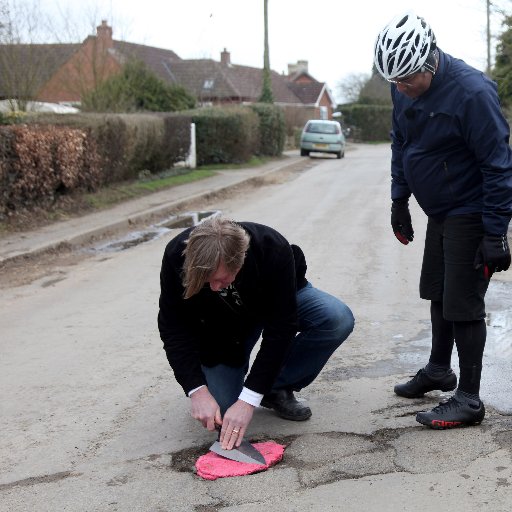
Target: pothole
(184, 461)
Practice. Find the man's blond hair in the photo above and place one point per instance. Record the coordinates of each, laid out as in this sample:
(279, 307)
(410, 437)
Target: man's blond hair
(215, 240)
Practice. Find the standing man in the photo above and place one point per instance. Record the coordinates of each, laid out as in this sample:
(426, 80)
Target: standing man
(223, 284)
(450, 148)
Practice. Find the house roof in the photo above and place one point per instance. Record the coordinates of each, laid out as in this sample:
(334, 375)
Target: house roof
(309, 93)
(208, 79)
(30, 65)
(157, 60)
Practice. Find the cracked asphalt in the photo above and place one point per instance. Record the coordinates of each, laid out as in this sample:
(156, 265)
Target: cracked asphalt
(92, 419)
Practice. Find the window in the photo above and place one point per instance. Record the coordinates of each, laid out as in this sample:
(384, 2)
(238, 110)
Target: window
(322, 128)
(208, 84)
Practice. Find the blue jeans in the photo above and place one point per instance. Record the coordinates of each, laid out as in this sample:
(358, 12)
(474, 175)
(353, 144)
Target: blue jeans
(324, 322)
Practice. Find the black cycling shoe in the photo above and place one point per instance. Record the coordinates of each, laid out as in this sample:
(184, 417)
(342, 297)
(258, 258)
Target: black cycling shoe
(286, 405)
(422, 383)
(453, 413)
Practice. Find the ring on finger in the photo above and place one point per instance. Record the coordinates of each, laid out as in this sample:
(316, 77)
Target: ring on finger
(235, 431)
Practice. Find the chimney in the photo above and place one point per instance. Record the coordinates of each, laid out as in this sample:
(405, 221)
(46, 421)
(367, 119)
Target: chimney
(225, 58)
(301, 66)
(104, 34)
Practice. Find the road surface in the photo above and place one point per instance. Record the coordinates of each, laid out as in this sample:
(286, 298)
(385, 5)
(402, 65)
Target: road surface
(92, 419)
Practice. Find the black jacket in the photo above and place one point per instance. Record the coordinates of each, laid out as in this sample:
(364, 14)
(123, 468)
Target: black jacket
(204, 329)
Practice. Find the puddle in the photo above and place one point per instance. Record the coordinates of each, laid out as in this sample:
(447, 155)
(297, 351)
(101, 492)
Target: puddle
(131, 240)
(496, 386)
(496, 383)
(186, 220)
(499, 334)
(135, 238)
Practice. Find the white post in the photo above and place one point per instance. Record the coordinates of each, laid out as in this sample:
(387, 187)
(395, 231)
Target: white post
(192, 157)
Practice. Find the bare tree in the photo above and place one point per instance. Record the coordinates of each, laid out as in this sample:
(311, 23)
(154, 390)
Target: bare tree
(32, 68)
(352, 85)
(22, 63)
(496, 11)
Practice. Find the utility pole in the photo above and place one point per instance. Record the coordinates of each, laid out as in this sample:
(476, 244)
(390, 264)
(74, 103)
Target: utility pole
(266, 90)
(266, 58)
(488, 70)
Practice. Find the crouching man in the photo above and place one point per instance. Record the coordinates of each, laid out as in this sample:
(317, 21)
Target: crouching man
(223, 285)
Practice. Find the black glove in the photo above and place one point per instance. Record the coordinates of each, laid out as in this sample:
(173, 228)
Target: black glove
(401, 221)
(493, 253)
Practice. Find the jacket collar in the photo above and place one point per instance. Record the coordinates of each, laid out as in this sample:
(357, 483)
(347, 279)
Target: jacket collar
(439, 75)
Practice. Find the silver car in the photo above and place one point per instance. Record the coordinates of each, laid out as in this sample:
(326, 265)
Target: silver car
(320, 136)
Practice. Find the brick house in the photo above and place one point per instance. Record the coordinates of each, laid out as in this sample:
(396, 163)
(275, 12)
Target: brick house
(215, 83)
(62, 73)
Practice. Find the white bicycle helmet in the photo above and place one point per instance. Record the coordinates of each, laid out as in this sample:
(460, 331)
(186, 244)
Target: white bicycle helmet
(405, 46)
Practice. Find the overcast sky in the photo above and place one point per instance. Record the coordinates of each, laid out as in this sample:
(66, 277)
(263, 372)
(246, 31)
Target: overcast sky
(336, 37)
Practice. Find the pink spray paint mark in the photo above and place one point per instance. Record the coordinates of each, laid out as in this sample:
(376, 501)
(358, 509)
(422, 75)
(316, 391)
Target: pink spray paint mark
(212, 466)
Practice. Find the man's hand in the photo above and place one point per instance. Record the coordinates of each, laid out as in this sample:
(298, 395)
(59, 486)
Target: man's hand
(235, 423)
(205, 408)
(493, 253)
(401, 221)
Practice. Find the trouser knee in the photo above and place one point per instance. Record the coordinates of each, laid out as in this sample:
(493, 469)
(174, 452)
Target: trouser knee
(338, 324)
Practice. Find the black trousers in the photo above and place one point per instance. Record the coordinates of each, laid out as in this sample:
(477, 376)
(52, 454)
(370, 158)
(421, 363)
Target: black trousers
(448, 274)
(457, 294)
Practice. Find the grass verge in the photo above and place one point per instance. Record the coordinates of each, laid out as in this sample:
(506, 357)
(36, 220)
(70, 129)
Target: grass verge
(73, 205)
(114, 194)
(109, 196)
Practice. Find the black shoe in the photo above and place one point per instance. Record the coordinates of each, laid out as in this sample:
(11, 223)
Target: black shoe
(286, 405)
(422, 383)
(453, 413)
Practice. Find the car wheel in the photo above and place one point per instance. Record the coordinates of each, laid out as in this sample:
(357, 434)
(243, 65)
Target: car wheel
(339, 154)
(304, 152)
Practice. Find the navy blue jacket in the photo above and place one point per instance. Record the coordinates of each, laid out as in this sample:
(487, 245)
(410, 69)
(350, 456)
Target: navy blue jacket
(204, 329)
(450, 147)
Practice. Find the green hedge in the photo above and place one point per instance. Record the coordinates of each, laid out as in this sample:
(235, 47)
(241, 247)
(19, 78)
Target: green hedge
(129, 143)
(367, 123)
(50, 155)
(225, 135)
(235, 134)
(272, 129)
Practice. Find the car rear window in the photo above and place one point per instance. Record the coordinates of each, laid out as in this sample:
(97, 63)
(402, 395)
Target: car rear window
(322, 128)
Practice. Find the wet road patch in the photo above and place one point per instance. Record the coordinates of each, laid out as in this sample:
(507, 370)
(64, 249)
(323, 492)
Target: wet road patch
(138, 237)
